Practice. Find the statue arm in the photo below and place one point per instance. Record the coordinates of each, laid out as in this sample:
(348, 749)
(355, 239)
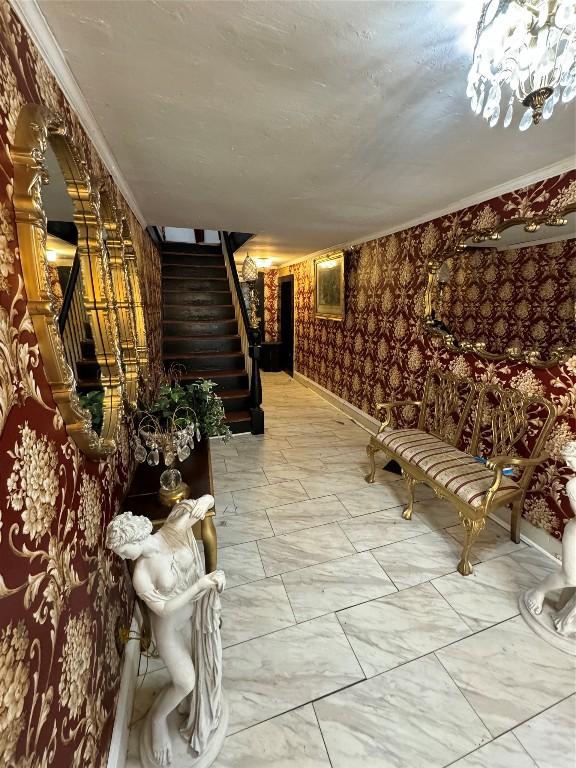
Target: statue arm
(189, 511)
(164, 605)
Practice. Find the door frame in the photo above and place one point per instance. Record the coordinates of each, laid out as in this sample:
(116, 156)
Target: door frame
(281, 280)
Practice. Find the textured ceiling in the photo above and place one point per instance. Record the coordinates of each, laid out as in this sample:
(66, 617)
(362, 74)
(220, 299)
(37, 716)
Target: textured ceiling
(309, 123)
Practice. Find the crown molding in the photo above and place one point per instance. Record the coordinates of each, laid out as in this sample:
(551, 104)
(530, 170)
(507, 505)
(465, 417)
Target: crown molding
(549, 171)
(39, 31)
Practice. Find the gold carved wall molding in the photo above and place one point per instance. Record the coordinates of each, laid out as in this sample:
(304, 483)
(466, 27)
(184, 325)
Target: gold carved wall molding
(534, 357)
(139, 319)
(120, 297)
(37, 126)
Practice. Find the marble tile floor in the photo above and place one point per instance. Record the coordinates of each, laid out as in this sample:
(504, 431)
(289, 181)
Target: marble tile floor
(349, 638)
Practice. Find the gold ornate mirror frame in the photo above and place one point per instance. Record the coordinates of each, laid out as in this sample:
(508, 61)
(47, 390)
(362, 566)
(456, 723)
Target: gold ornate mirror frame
(137, 304)
(533, 357)
(120, 297)
(37, 126)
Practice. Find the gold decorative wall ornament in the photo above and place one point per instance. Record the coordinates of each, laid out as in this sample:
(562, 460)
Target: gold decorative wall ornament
(436, 280)
(135, 297)
(120, 297)
(37, 126)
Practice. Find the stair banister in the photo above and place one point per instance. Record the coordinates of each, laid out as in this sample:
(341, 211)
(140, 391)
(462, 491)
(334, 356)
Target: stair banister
(250, 337)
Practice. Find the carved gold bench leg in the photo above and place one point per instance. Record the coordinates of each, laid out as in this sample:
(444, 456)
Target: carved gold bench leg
(371, 451)
(410, 483)
(473, 528)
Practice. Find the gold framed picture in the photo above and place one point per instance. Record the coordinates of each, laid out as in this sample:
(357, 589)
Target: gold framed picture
(329, 286)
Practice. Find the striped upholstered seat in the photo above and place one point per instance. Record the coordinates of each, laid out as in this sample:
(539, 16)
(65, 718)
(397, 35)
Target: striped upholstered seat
(454, 470)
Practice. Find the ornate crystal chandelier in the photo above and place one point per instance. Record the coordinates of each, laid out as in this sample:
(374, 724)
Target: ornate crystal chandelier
(525, 50)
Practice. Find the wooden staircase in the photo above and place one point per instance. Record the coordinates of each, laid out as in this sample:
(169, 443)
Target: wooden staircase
(87, 368)
(200, 329)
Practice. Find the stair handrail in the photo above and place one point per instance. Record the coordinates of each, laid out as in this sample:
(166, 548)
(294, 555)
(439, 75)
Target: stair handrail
(69, 293)
(251, 338)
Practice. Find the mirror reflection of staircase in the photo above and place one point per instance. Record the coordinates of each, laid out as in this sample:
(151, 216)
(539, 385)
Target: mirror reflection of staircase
(200, 329)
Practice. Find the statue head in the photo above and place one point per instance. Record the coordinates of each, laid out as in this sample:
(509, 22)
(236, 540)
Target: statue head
(569, 454)
(126, 534)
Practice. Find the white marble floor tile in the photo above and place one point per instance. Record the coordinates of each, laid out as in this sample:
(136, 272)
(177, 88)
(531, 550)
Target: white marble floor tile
(489, 594)
(292, 740)
(303, 548)
(400, 627)
(419, 559)
(273, 674)
(509, 674)
(410, 717)
(239, 527)
(494, 541)
(279, 472)
(235, 481)
(294, 455)
(223, 502)
(337, 483)
(504, 752)
(218, 465)
(269, 496)
(321, 438)
(241, 564)
(381, 528)
(537, 563)
(250, 461)
(436, 512)
(254, 609)
(306, 514)
(335, 585)
(374, 498)
(550, 738)
(219, 449)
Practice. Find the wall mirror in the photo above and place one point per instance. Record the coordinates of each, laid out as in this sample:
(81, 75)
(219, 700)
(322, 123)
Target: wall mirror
(65, 267)
(509, 293)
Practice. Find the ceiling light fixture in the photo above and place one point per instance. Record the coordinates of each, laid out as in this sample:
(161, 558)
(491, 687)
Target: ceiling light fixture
(525, 50)
(249, 269)
(263, 263)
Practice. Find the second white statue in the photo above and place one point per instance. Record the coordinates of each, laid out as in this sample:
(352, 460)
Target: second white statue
(185, 616)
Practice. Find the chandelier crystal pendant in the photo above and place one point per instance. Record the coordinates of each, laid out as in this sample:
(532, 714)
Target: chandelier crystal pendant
(525, 51)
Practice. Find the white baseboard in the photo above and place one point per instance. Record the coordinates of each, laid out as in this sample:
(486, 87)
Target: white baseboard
(119, 742)
(535, 537)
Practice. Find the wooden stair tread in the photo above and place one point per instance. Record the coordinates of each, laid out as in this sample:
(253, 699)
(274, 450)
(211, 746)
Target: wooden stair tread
(206, 353)
(167, 337)
(209, 374)
(234, 393)
(238, 416)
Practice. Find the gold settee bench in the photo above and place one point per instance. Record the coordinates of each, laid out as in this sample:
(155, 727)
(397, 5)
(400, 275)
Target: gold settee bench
(495, 420)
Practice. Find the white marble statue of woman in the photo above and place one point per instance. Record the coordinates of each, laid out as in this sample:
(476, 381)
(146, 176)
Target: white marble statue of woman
(185, 617)
(564, 619)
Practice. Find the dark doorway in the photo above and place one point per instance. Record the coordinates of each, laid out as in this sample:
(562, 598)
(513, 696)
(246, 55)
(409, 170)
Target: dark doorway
(287, 323)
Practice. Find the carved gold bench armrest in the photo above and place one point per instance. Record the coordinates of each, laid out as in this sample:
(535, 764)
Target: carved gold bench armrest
(497, 463)
(388, 407)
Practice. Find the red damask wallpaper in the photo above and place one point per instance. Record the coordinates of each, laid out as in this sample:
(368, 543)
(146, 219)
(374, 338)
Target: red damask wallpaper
(380, 352)
(61, 592)
(271, 305)
(521, 297)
